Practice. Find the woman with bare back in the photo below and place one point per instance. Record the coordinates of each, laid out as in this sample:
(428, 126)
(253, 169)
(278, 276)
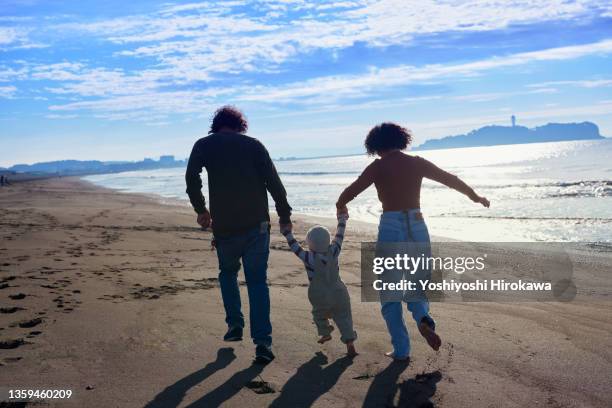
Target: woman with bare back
(397, 177)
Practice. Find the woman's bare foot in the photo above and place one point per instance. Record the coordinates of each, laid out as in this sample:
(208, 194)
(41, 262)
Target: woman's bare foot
(430, 336)
(392, 355)
(350, 349)
(324, 339)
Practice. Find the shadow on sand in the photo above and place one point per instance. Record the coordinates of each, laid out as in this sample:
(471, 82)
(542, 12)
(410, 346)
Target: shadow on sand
(418, 391)
(311, 381)
(413, 393)
(228, 389)
(173, 395)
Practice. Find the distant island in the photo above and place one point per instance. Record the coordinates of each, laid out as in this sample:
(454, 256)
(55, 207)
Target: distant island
(504, 135)
(82, 167)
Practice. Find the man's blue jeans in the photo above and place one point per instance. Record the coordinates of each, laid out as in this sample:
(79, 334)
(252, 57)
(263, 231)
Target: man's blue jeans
(253, 248)
(403, 226)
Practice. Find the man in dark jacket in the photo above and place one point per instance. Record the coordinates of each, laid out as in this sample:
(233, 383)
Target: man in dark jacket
(240, 175)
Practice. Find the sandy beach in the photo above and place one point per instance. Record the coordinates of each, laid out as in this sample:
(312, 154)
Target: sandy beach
(115, 297)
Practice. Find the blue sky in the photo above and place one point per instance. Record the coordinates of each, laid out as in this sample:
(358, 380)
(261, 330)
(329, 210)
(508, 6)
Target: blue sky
(123, 80)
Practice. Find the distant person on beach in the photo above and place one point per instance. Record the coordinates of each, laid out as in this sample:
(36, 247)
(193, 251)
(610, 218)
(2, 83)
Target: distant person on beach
(327, 293)
(1, 181)
(240, 173)
(397, 177)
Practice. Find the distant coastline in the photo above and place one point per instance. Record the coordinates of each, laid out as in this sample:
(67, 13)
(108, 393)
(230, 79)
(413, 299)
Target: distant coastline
(88, 167)
(505, 135)
(492, 135)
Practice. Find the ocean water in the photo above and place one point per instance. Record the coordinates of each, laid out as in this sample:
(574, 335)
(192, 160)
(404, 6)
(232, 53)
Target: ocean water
(560, 191)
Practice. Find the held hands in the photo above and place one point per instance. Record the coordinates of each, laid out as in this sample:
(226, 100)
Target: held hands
(285, 227)
(204, 219)
(342, 212)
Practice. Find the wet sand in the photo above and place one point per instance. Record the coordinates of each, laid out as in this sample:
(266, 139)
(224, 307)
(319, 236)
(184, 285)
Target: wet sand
(115, 296)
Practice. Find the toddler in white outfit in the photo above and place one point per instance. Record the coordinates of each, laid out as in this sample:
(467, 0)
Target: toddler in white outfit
(327, 293)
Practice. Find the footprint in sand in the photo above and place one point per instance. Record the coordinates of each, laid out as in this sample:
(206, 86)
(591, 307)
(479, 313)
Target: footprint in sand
(18, 296)
(8, 310)
(11, 344)
(10, 360)
(261, 387)
(26, 324)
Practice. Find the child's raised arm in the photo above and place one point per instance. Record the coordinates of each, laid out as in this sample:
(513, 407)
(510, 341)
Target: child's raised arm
(337, 242)
(296, 247)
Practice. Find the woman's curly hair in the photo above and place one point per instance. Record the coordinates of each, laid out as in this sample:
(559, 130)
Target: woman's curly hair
(387, 136)
(231, 117)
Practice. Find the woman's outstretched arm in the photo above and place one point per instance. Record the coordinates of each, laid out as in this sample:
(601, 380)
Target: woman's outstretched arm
(364, 181)
(433, 172)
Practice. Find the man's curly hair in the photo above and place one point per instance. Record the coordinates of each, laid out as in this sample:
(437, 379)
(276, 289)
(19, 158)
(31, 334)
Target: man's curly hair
(231, 117)
(387, 136)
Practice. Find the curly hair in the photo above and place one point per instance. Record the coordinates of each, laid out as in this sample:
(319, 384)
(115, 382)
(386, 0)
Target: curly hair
(231, 117)
(387, 136)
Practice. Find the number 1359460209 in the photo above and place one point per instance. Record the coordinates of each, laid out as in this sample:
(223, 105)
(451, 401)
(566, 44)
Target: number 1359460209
(29, 394)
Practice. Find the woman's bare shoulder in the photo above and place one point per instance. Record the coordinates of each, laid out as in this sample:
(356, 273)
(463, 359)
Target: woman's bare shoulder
(373, 164)
(415, 158)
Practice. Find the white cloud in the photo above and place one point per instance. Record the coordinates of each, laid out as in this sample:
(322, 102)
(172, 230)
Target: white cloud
(16, 38)
(7, 92)
(211, 43)
(394, 21)
(209, 6)
(117, 94)
(212, 37)
(492, 96)
(8, 74)
(144, 106)
(586, 83)
(14, 19)
(9, 35)
(344, 86)
(55, 116)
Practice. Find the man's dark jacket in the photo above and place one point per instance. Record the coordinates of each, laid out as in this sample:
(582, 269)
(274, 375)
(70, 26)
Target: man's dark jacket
(240, 172)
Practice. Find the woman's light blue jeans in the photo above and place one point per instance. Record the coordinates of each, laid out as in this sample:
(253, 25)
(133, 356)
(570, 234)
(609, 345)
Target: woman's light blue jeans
(403, 226)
